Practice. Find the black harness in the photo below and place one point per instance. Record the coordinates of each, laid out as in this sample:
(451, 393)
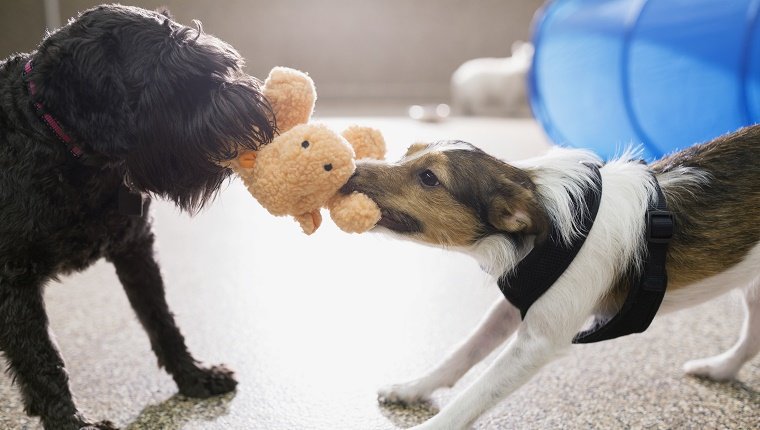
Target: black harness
(541, 268)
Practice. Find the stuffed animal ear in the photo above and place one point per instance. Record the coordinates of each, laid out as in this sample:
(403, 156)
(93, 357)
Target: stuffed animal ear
(292, 95)
(367, 142)
(247, 159)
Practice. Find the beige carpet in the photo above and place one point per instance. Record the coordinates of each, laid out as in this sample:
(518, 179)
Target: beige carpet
(314, 325)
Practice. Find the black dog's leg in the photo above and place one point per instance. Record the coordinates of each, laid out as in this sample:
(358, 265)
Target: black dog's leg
(141, 277)
(34, 361)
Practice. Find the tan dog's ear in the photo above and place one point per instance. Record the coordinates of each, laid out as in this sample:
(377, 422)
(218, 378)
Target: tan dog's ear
(247, 159)
(415, 148)
(508, 217)
(513, 208)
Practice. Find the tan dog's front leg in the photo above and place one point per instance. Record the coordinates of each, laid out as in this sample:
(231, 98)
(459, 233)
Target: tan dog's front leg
(500, 322)
(548, 329)
(524, 356)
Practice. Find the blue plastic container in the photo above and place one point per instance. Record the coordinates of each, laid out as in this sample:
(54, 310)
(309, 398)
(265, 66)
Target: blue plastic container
(663, 74)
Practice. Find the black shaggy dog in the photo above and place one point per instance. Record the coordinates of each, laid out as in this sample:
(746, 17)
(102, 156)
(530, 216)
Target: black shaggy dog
(120, 101)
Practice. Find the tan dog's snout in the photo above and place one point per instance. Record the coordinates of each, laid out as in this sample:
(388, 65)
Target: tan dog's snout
(350, 186)
(365, 179)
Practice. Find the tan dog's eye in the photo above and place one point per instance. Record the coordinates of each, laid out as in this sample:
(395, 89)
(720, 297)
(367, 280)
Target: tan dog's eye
(429, 179)
(305, 144)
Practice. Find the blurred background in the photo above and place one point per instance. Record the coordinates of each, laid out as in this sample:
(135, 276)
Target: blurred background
(314, 325)
(361, 50)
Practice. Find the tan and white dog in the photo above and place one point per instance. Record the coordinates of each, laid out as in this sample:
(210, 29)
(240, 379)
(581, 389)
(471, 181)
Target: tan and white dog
(453, 195)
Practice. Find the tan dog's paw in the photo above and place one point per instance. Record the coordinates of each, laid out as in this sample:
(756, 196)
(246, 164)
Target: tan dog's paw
(410, 393)
(719, 368)
(354, 213)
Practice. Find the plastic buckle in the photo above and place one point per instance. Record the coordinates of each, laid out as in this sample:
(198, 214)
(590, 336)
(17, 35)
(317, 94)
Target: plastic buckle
(659, 226)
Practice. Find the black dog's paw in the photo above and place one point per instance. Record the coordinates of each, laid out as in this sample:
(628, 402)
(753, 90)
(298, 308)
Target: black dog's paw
(76, 422)
(206, 382)
(101, 425)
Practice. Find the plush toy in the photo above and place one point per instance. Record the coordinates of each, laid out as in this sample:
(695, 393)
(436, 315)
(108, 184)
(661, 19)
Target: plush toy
(305, 165)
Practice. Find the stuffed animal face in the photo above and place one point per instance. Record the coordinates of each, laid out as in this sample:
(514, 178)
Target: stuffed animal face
(301, 169)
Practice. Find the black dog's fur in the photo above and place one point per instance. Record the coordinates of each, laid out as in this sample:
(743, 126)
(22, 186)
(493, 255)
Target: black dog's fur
(151, 102)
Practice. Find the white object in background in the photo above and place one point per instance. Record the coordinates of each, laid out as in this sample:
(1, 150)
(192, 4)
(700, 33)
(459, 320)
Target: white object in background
(52, 14)
(493, 86)
(429, 113)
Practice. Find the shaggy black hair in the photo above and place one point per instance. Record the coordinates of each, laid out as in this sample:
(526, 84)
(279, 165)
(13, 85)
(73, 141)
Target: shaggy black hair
(151, 102)
(169, 101)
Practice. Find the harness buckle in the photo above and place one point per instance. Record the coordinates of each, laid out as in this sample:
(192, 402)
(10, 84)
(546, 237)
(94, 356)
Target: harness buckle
(660, 226)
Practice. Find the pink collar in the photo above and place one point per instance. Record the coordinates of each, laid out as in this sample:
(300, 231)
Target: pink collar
(51, 122)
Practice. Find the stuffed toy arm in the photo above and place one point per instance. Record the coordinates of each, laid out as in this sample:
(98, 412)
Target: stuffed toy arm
(353, 213)
(356, 212)
(367, 142)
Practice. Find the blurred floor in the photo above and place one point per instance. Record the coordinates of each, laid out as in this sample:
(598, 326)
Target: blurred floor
(314, 325)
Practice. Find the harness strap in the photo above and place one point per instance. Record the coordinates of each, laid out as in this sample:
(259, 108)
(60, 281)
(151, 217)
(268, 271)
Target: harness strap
(538, 271)
(645, 294)
(541, 268)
